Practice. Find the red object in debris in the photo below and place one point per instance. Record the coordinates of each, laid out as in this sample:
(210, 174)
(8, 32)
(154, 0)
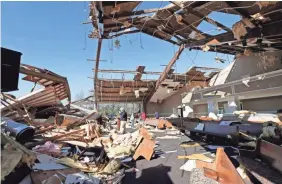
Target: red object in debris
(143, 116)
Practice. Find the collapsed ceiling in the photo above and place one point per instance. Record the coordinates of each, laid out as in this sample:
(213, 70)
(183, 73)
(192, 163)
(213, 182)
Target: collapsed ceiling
(137, 90)
(178, 23)
(259, 29)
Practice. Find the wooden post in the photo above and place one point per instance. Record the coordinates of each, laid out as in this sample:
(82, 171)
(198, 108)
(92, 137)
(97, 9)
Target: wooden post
(96, 72)
(165, 72)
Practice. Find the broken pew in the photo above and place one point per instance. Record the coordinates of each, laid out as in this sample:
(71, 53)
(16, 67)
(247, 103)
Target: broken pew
(267, 152)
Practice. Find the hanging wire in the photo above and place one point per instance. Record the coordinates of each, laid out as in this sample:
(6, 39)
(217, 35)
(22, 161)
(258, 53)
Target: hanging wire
(192, 60)
(227, 8)
(136, 11)
(173, 49)
(141, 45)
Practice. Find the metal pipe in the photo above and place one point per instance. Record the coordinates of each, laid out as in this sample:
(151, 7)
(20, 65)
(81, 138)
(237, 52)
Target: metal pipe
(20, 131)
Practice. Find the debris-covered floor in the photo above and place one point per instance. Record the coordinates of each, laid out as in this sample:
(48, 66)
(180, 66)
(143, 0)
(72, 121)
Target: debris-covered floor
(94, 154)
(165, 167)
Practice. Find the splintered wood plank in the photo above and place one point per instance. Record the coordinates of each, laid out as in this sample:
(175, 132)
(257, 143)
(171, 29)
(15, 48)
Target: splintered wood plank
(145, 149)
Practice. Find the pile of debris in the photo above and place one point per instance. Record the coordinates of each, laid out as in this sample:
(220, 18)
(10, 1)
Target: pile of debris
(58, 155)
(66, 146)
(44, 141)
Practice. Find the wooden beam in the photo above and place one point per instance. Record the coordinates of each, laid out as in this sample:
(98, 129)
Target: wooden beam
(126, 15)
(120, 99)
(58, 79)
(132, 84)
(165, 72)
(168, 40)
(25, 71)
(140, 70)
(169, 66)
(136, 72)
(118, 95)
(195, 29)
(202, 16)
(187, 23)
(239, 11)
(129, 71)
(267, 30)
(96, 71)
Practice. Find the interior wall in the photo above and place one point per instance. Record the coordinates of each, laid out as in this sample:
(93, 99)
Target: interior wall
(166, 107)
(263, 104)
(151, 108)
(171, 102)
(248, 65)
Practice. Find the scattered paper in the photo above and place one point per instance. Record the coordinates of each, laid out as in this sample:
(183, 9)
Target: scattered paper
(173, 132)
(189, 165)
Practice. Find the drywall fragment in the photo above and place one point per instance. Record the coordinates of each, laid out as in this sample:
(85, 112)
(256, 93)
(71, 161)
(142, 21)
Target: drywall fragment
(239, 30)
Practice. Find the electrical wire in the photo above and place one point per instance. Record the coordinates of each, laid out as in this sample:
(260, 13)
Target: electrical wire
(144, 25)
(192, 60)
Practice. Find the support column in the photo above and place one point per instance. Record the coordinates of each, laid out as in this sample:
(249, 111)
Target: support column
(96, 72)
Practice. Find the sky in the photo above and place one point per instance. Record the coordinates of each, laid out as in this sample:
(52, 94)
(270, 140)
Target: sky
(51, 35)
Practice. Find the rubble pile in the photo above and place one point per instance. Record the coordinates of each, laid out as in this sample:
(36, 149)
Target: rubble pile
(66, 147)
(45, 141)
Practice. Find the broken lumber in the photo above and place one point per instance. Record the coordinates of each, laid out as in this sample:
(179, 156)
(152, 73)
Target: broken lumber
(53, 138)
(43, 130)
(145, 149)
(79, 122)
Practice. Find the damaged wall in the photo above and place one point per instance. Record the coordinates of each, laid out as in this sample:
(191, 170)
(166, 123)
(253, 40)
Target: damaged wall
(166, 107)
(271, 104)
(151, 108)
(248, 65)
(172, 102)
